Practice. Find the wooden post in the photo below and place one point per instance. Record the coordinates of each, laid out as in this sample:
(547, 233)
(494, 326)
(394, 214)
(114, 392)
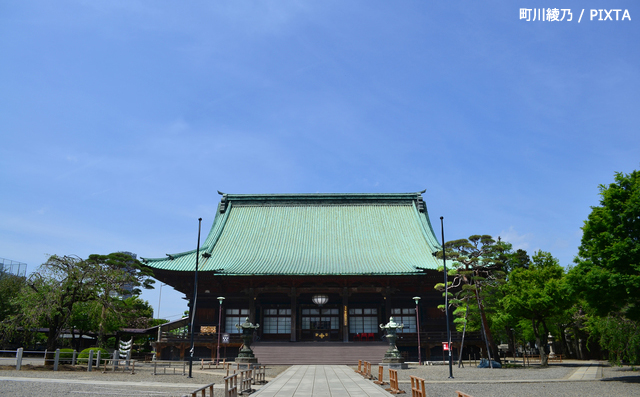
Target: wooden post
(344, 319)
(380, 380)
(294, 316)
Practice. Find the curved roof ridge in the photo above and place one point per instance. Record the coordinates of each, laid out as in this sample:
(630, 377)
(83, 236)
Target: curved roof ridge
(313, 234)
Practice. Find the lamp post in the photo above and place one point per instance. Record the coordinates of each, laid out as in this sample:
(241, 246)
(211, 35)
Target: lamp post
(446, 297)
(220, 299)
(417, 299)
(193, 301)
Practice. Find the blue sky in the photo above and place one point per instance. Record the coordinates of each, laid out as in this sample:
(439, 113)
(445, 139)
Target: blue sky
(119, 120)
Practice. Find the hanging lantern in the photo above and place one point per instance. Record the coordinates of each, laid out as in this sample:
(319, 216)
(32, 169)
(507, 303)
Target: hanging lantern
(320, 299)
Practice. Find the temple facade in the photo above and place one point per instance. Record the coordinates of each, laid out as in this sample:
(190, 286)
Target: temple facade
(311, 267)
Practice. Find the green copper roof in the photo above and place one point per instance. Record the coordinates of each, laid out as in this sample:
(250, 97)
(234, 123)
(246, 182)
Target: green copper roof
(314, 234)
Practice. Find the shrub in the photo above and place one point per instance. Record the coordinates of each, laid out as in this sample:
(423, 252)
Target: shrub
(66, 354)
(84, 355)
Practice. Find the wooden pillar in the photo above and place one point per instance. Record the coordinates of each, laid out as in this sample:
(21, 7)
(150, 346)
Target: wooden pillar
(294, 317)
(344, 315)
(252, 306)
(387, 305)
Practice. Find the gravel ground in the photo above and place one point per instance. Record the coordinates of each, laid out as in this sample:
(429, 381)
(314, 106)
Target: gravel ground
(142, 383)
(529, 381)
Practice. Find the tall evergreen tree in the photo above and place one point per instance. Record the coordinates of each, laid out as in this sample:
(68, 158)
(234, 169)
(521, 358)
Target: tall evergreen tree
(608, 262)
(477, 268)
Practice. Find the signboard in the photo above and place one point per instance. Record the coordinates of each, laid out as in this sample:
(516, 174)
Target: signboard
(208, 329)
(445, 346)
(225, 338)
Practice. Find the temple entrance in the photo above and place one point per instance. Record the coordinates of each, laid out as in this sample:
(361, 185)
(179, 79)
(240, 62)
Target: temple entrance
(320, 324)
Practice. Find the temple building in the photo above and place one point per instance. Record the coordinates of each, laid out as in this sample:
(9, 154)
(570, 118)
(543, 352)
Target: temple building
(311, 267)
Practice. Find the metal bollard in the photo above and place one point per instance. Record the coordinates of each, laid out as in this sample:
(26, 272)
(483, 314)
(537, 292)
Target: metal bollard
(73, 359)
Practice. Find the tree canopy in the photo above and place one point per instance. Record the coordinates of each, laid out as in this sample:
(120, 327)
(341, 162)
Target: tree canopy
(68, 291)
(608, 263)
(477, 269)
(537, 294)
(10, 286)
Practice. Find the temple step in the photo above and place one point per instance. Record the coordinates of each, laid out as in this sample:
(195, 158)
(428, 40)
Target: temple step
(319, 353)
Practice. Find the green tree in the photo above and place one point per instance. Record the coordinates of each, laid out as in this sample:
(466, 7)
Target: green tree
(607, 271)
(89, 317)
(538, 294)
(49, 295)
(607, 274)
(476, 270)
(10, 286)
(85, 319)
(119, 275)
(618, 335)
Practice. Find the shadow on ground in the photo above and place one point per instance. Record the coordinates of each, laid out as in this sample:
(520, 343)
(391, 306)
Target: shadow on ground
(625, 379)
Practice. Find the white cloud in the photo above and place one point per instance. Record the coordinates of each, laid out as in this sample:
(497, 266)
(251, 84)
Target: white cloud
(519, 241)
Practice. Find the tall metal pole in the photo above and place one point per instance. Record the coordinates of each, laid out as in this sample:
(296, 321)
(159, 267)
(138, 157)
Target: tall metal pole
(417, 299)
(193, 301)
(446, 297)
(220, 299)
(159, 300)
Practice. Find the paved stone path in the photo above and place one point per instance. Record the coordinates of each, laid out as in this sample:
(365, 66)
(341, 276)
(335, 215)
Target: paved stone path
(320, 380)
(587, 372)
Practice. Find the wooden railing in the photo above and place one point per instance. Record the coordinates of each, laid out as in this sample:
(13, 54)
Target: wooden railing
(160, 367)
(417, 387)
(365, 370)
(393, 383)
(259, 374)
(198, 337)
(231, 386)
(246, 381)
(203, 390)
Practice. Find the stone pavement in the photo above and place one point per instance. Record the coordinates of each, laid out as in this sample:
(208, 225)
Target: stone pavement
(586, 372)
(320, 380)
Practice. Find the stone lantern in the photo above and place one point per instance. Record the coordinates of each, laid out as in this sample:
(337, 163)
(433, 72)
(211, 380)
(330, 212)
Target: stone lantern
(246, 354)
(392, 357)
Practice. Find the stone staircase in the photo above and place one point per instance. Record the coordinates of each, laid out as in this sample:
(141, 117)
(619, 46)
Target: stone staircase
(318, 353)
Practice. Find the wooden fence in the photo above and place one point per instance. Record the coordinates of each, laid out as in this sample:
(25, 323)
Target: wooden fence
(203, 391)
